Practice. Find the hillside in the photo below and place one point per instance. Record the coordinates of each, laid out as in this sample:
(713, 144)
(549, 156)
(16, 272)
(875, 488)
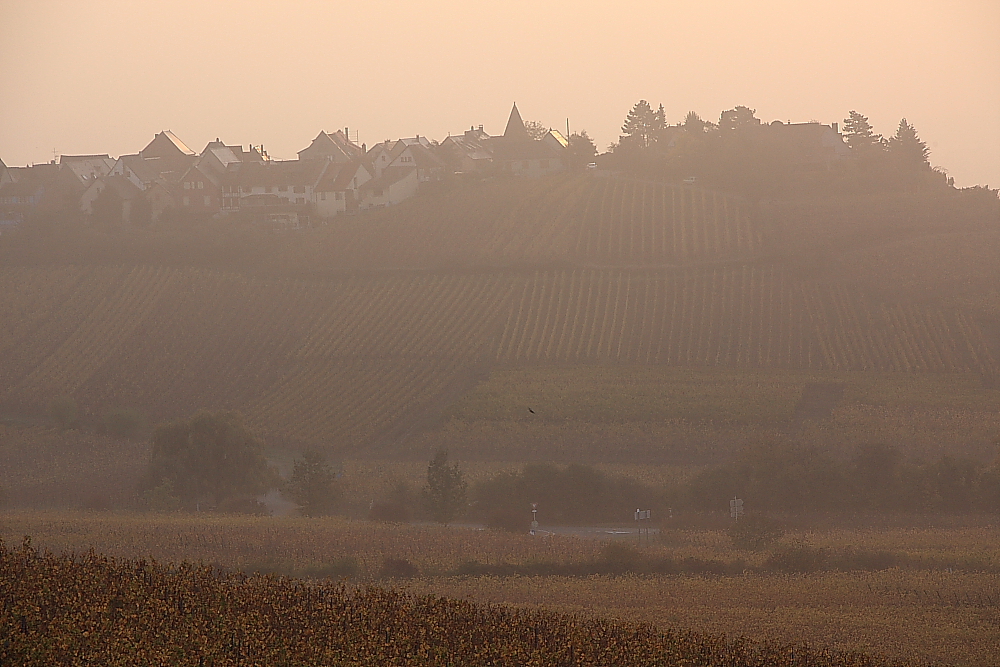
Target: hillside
(357, 337)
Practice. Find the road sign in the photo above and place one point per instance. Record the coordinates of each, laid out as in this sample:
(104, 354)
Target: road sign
(642, 514)
(534, 524)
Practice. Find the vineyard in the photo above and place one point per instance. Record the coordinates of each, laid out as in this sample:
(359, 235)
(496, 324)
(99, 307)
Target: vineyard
(349, 361)
(577, 220)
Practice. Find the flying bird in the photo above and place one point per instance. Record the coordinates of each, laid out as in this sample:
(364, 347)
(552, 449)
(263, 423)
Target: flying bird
(531, 411)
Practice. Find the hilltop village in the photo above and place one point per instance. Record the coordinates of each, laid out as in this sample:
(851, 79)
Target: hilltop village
(335, 176)
(332, 176)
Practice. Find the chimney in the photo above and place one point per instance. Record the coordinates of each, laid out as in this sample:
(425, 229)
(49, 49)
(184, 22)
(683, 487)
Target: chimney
(835, 126)
(364, 148)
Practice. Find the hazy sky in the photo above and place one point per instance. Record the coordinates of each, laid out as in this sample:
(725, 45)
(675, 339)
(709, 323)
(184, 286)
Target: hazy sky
(104, 76)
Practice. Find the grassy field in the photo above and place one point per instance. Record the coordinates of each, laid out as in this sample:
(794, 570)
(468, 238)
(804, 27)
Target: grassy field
(943, 604)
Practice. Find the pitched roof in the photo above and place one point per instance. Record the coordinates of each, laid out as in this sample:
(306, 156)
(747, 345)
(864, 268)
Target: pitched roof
(63, 159)
(472, 146)
(335, 144)
(175, 140)
(283, 172)
(390, 175)
(515, 126)
(87, 167)
(505, 148)
(146, 170)
(423, 158)
(337, 177)
(123, 187)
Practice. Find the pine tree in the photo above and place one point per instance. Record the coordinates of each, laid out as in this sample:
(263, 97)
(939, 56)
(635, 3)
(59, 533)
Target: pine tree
(907, 147)
(693, 123)
(313, 486)
(860, 135)
(639, 125)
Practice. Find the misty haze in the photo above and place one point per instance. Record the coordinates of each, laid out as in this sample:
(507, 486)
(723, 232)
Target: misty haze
(536, 333)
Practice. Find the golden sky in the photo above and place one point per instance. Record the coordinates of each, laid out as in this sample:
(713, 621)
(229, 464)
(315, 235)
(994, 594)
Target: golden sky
(104, 76)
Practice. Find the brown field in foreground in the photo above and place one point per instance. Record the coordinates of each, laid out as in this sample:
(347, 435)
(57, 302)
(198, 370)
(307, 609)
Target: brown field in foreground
(944, 606)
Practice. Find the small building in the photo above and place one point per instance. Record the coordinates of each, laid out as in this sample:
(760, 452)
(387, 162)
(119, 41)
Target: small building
(334, 146)
(200, 191)
(286, 182)
(468, 152)
(396, 184)
(337, 192)
(809, 146)
(118, 196)
(415, 155)
(517, 153)
(87, 168)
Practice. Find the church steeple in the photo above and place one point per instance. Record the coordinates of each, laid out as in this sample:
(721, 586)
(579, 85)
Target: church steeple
(515, 126)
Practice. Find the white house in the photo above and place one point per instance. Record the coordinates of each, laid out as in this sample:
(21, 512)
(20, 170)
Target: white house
(337, 191)
(396, 184)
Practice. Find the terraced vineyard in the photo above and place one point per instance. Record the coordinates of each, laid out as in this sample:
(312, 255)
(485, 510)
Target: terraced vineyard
(349, 361)
(572, 219)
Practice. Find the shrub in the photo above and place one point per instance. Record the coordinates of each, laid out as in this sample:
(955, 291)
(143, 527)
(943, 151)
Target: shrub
(390, 512)
(336, 569)
(510, 519)
(796, 558)
(755, 532)
(398, 568)
(244, 505)
(161, 498)
(313, 486)
(64, 411)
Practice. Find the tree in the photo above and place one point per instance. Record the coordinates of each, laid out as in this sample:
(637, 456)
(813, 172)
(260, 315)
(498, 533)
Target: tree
(581, 149)
(907, 147)
(640, 125)
(313, 486)
(738, 119)
(693, 123)
(535, 129)
(211, 456)
(445, 493)
(861, 136)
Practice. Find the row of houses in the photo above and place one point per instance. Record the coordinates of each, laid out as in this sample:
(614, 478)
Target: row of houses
(332, 176)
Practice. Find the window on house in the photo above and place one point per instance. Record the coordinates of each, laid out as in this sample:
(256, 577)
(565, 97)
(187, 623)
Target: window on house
(187, 201)
(284, 188)
(208, 200)
(201, 185)
(274, 189)
(187, 185)
(340, 195)
(300, 188)
(322, 196)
